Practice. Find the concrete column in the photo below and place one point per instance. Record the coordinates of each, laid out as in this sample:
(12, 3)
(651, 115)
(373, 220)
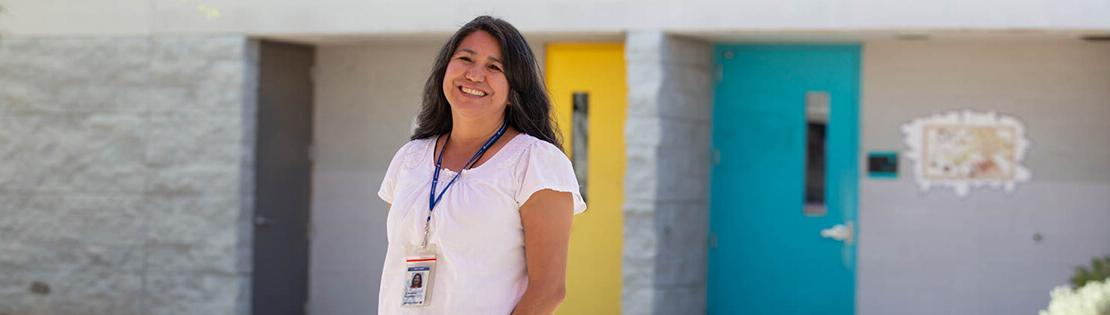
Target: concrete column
(667, 177)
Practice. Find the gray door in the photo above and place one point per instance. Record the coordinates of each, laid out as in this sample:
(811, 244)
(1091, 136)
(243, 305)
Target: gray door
(282, 179)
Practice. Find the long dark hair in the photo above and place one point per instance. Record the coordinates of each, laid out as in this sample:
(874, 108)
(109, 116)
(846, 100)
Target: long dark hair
(529, 109)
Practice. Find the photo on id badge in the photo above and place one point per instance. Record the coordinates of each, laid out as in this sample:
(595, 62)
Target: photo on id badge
(415, 290)
(419, 269)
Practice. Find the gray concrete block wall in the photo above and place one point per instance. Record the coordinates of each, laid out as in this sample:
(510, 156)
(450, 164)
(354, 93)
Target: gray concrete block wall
(126, 169)
(666, 192)
(936, 253)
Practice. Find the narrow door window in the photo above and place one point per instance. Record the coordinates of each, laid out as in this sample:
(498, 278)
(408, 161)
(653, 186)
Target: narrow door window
(817, 117)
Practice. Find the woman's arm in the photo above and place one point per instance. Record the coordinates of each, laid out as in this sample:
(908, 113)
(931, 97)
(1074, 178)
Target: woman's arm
(546, 216)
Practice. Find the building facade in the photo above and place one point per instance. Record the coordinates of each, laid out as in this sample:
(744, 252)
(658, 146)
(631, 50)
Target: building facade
(222, 157)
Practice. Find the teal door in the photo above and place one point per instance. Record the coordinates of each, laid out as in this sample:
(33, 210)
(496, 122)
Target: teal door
(783, 183)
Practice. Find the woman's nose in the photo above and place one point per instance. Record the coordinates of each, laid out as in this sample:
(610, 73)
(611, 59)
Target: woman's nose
(475, 74)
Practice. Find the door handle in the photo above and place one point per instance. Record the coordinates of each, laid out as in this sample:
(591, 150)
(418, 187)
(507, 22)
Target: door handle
(839, 232)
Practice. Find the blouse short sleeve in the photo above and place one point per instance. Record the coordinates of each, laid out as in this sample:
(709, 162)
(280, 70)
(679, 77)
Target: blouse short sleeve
(389, 183)
(544, 166)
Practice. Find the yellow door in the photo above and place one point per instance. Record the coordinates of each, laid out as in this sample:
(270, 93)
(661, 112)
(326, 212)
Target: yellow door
(594, 267)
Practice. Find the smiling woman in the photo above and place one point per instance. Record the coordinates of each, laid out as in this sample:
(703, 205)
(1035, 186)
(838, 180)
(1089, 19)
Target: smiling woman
(483, 239)
(474, 82)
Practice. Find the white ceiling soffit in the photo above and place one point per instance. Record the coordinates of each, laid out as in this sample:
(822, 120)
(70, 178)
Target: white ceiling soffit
(810, 36)
(367, 38)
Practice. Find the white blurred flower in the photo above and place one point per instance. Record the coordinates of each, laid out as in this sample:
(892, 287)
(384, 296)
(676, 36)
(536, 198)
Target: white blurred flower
(1091, 299)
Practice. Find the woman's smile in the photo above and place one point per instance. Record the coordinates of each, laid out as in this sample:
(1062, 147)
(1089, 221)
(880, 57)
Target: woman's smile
(472, 91)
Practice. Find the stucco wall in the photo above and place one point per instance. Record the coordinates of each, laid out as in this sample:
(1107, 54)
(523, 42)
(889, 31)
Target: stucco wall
(126, 181)
(935, 253)
(366, 98)
(286, 17)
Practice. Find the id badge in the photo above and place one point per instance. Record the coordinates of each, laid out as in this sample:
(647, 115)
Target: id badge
(420, 266)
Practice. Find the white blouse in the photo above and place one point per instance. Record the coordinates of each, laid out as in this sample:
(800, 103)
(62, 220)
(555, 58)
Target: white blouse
(476, 226)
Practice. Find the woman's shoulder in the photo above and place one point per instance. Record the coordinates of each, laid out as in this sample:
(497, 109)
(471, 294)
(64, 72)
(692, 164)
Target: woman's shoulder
(540, 146)
(412, 150)
(417, 143)
(532, 148)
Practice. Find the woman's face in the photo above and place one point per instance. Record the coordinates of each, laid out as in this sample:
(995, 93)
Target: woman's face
(475, 83)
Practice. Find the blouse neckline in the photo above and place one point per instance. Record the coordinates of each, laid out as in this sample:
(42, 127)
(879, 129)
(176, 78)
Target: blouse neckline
(430, 156)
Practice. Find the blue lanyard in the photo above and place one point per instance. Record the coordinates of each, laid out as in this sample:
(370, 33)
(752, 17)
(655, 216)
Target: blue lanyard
(432, 198)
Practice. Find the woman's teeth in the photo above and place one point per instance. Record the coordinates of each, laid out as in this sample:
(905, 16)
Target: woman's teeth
(473, 91)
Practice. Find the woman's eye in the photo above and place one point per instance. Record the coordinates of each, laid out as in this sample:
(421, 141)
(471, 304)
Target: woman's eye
(495, 68)
(465, 58)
